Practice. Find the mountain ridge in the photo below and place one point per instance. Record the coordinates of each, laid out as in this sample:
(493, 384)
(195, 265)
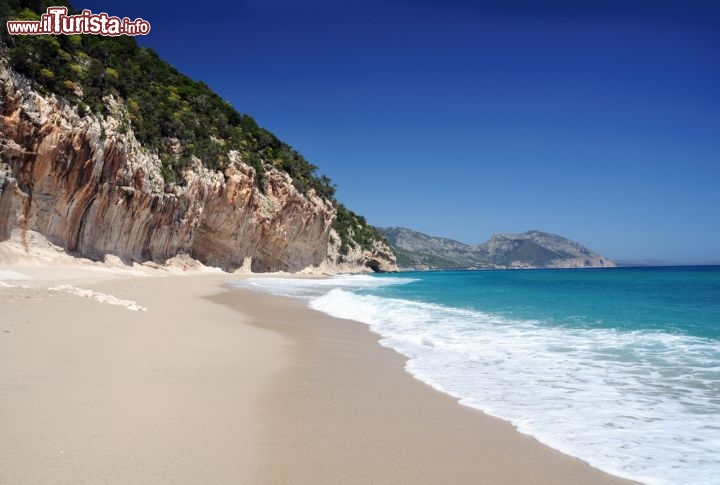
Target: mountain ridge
(530, 249)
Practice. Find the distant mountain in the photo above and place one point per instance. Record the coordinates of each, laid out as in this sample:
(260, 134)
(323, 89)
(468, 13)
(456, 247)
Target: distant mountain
(415, 249)
(531, 249)
(535, 249)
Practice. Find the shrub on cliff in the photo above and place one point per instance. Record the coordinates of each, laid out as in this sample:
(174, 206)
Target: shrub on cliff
(354, 230)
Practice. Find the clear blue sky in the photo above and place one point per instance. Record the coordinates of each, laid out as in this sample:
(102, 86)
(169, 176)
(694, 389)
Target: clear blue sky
(597, 120)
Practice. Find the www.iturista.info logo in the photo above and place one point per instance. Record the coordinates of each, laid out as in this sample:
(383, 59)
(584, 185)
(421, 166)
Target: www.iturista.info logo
(56, 21)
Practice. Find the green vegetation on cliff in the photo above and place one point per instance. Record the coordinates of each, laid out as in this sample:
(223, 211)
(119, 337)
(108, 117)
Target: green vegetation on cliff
(354, 230)
(169, 113)
(165, 107)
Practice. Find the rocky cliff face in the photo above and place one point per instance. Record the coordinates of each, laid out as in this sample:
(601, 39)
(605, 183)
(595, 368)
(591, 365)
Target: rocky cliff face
(86, 184)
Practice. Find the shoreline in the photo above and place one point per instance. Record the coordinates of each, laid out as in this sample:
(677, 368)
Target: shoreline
(219, 385)
(342, 378)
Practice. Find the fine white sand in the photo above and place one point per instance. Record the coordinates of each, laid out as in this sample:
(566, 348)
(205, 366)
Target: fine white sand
(146, 375)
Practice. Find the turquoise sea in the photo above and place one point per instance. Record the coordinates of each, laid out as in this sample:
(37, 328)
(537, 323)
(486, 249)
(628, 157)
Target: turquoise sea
(619, 367)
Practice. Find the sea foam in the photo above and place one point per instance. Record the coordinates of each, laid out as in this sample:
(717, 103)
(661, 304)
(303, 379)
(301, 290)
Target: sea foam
(100, 297)
(312, 287)
(638, 404)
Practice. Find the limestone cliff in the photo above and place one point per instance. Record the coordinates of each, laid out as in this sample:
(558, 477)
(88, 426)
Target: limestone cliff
(88, 185)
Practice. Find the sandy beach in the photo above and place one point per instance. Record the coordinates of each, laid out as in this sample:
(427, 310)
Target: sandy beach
(158, 377)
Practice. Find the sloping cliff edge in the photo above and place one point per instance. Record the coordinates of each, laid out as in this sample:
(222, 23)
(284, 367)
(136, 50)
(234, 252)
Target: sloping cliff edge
(88, 186)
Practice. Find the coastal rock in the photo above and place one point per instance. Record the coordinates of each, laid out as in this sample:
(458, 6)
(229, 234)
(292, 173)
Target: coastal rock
(379, 258)
(87, 184)
(7, 196)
